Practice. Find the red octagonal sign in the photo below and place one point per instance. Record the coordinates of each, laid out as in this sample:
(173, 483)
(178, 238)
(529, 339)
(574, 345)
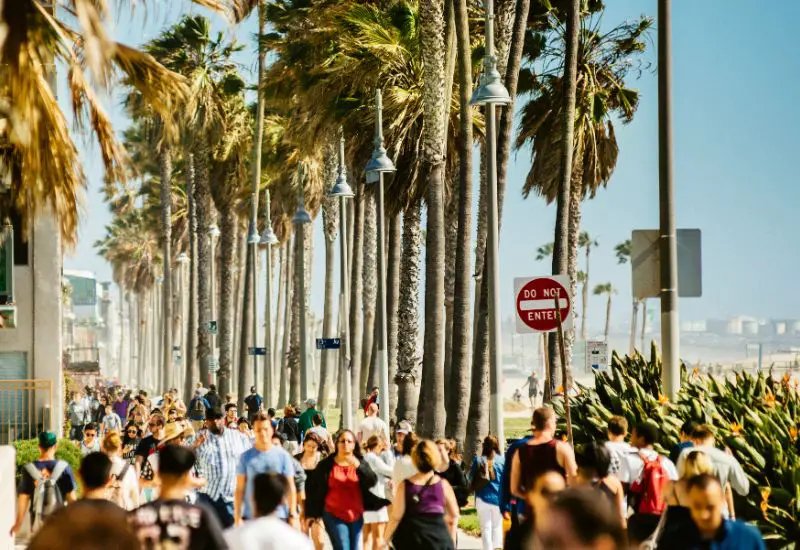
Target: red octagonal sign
(536, 303)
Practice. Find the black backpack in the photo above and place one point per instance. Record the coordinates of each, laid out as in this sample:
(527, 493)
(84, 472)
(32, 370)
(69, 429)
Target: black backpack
(198, 408)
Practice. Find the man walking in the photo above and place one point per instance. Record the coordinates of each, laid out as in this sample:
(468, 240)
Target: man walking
(198, 407)
(533, 388)
(170, 521)
(305, 420)
(253, 403)
(726, 467)
(39, 477)
(77, 416)
(219, 450)
(372, 425)
(265, 457)
(624, 457)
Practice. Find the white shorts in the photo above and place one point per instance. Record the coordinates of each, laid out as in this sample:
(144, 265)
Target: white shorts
(380, 516)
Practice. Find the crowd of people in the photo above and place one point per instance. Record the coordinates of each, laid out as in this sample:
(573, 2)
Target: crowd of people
(164, 475)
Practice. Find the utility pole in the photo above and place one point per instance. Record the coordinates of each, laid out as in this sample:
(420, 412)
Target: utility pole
(670, 337)
(268, 240)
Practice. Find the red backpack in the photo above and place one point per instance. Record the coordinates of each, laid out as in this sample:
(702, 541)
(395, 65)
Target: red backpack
(650, 486)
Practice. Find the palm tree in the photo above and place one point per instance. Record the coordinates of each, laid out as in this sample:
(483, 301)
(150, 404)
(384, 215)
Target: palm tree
(330, 220)
(585, 242)
(609, 291)
(545, 251)
(577, 120)
(189, 49)
(623, 253)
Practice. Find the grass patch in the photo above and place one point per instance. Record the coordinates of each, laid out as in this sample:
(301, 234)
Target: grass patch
(468, 521)
(517, 427)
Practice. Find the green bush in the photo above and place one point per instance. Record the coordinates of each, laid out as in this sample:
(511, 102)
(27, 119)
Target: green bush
(754, 415)
(28, 450)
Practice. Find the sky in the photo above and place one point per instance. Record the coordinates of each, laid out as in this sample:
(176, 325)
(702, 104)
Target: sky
(735, 115)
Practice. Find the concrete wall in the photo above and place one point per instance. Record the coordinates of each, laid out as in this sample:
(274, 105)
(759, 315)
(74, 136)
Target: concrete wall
(8, 496)
(38, 297)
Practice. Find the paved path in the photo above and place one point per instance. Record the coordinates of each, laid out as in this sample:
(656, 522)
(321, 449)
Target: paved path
(468, 542)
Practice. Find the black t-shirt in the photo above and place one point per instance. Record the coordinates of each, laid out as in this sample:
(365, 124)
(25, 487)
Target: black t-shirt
(213, 400)
(65, 483)
(177, 525)
(147, 446)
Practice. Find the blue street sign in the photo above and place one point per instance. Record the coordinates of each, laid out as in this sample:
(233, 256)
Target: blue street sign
(329, 343)
(256, 351)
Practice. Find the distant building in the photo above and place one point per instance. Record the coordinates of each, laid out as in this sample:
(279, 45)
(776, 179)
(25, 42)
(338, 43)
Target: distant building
(694, 326)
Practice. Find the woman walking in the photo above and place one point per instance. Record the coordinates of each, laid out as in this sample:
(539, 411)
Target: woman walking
(452, 470)
(424, 510)
(124, 490)
(487, 471)
(339, 493)
(131, 437)
(594, 462)
(309, 459)
(375, 522)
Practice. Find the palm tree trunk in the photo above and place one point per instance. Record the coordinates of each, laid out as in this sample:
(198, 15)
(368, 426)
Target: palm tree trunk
(294, 345)
(177, 321)
(432, 25)
(245, 330)
(227, 299)
(191, 331)
(561, 240)
(392, 300)
(241, 259)
(608, 315)
(204, 259)
(634, 321)
(460, 378)
(585, 293)
(575, 203)
(369, 275)
(407, 377)
(644, 323)
(357, 293)
(165, 166)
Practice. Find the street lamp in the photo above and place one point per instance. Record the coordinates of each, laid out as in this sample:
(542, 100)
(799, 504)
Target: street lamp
(492, 92)
(182, 260)
(342, 190)
(252, 240)
(300, 219)
(378, 165)
(268, 240)
(213, 235)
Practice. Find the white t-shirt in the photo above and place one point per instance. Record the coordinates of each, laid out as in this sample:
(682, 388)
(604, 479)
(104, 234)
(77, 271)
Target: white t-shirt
(403, 469)
(373, 425)
(129, 484)
(626, 458)
(267, 533)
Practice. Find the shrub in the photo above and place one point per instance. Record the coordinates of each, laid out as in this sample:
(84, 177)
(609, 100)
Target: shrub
(754, 415)
(28, 450)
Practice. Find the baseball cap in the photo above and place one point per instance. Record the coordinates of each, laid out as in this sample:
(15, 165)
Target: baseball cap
(47, 440)
(403, 427)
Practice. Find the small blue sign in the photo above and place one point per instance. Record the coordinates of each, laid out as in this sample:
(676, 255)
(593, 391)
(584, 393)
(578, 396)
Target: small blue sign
(256, 351)
(329, 343)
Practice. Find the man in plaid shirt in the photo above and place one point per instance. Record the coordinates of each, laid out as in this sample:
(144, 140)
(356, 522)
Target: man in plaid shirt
(218, 450)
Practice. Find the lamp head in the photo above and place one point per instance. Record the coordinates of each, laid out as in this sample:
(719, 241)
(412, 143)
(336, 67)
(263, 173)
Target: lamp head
(268, 237)
(491, 89)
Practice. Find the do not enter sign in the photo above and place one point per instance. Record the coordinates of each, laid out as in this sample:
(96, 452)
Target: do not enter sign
(536, 303)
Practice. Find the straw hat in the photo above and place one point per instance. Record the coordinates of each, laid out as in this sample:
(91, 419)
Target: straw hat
(177, 429)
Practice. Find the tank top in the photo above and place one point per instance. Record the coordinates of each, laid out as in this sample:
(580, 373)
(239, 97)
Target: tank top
(537, 459)
(610, 495)
(430, 499)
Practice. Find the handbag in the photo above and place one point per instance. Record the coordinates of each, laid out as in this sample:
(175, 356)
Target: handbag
(481, 478)
(652, 541)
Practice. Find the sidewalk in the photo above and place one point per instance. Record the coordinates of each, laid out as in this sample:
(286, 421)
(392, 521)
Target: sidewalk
(468, 542)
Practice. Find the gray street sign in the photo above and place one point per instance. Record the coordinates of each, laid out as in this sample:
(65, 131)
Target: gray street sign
(646, 263)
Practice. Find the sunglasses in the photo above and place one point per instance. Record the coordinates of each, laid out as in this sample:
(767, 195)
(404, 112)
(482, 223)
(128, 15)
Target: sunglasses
(134, 432)
(89, 434)
(153, 424)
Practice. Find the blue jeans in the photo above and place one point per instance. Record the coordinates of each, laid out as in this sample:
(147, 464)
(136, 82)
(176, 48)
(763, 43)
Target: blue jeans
(223, 510)
(344, 536)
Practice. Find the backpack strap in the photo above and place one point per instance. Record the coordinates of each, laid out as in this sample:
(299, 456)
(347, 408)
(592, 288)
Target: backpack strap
(123, 471)
(58, 471)
(33, 471)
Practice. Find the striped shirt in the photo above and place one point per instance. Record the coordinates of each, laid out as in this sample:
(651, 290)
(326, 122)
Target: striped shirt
(217, 459)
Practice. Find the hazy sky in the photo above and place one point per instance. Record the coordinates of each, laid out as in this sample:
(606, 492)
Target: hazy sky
(736, 79)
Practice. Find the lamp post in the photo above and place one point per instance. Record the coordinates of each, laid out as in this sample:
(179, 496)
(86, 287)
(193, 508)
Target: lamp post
(670, 336)
(268, 240)
(300, 220)
(380, 164)
(342, 190)
(213, 235)
(492, 92)
(182, 261)
(252, 241)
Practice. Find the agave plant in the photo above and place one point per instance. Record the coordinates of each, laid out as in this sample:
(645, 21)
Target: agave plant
(754, 415)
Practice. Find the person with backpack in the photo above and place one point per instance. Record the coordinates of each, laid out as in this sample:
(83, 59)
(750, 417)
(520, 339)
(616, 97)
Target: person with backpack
(485, 475)
(289, 427)
(649, 482)
(198, 407)
(45, 486)
(124, 489)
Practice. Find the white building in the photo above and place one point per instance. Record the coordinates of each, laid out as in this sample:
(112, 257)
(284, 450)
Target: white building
(30, 339)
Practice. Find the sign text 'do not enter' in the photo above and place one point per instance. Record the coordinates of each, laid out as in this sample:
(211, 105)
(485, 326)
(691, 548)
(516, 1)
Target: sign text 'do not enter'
(536, 303)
